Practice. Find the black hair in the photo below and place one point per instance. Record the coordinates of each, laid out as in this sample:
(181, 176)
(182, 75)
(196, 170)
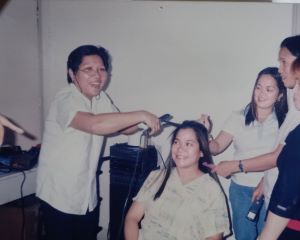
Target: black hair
(202, 138)
(76, 56)
(292, 44)
(280, 106)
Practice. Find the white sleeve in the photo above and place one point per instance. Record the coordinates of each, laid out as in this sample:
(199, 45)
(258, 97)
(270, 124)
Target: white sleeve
(290, 122)
(231, 123)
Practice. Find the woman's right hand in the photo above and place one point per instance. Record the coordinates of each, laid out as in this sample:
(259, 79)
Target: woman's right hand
(151, 121)
(224, 168)
(206, 121)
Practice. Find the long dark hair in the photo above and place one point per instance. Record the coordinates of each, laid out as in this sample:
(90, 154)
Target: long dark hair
(280, 106)
(202, 138)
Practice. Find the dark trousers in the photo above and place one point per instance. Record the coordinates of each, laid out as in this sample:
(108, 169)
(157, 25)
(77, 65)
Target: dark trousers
(61, 226)
(289, 234)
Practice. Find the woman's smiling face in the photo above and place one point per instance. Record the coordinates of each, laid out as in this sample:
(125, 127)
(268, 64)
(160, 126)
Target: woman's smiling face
(91, 76)
(185, 149)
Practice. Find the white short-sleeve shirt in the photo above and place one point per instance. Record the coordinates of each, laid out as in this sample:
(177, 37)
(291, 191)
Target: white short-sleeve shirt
(249, 141)
(66, 174)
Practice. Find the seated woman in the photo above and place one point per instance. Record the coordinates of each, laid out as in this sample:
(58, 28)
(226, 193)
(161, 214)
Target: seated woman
(182, 201)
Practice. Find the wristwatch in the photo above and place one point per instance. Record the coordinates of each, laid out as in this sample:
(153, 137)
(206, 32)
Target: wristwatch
(241, 166)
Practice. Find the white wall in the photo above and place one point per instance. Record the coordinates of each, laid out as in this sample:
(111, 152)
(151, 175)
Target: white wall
(20, 88)
(296, 19)
(182, 58)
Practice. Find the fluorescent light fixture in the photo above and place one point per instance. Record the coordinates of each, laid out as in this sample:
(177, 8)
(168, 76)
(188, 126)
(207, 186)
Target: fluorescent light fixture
(259, 1)
(286, 1)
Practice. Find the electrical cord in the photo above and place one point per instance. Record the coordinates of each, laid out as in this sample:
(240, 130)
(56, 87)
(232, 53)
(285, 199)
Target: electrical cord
(217, 179)
(128, 195)
(6, 169)
(23, 207)
(161, 157)
(111, 101)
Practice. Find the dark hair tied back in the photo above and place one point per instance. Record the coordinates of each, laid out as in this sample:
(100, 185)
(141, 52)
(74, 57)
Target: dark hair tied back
(292, 44)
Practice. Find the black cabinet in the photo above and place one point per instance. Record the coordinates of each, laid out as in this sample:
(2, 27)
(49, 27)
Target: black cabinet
(129, 167)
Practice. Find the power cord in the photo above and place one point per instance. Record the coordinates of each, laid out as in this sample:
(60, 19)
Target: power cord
(128, 195)
(217, 179)
(161, 157)
(23, 207)
(111, 101)
(6, 169)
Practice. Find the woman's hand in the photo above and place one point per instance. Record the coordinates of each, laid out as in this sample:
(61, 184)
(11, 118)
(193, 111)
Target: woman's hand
(206, 121)
(259, 191)
(224, 168)
(4, 122)
(152, 122)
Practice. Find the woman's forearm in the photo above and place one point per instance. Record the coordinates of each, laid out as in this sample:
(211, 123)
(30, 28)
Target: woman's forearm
(255, 164)
(273, 227)
(131, 229)
(214, 147)
(133, 217)
(215, 237)
(262, 162)
(220, 143)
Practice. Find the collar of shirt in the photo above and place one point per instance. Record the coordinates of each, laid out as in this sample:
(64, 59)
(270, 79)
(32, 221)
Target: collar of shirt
(270, 118)
(95, 99)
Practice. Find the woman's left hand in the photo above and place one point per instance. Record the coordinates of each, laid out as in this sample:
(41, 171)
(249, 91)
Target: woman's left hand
(206, 121)
(4, 122)
(259, 191)
(224, 168)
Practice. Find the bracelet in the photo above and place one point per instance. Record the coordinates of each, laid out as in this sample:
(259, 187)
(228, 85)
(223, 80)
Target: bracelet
(210, 137)
(241, 166)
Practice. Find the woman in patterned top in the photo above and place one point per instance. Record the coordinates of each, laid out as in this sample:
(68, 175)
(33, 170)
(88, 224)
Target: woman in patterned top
(182, 201)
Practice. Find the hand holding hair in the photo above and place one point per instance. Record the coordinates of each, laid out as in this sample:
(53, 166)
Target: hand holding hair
(209, 165)
(206, 121)
(224, 168)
